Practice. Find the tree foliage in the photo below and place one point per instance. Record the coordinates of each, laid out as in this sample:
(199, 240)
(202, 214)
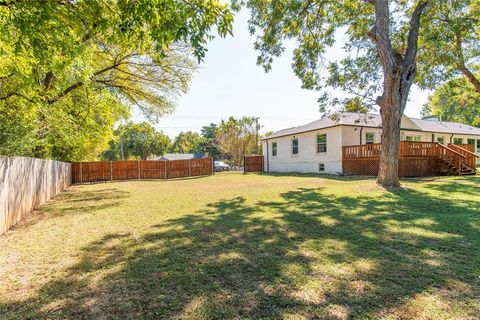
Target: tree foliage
(74, 68)
(236, 138)
(187, 142)
(137, 141)
(208, 144)
(450, 44)
(455, 101)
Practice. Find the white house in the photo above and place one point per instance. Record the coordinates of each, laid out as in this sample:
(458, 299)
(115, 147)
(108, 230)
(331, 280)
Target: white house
(317, 146)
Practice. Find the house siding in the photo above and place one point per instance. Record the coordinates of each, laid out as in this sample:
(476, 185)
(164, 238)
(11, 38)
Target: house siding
(307, 160)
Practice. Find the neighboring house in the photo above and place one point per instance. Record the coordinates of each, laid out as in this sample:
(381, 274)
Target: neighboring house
(175, 156)
(317, 146)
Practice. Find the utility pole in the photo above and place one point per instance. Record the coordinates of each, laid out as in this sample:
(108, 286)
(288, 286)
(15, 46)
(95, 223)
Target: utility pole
(256, 134)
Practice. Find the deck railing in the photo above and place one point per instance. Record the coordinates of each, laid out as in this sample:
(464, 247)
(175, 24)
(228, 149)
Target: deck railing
(414, 149)
(407, 149)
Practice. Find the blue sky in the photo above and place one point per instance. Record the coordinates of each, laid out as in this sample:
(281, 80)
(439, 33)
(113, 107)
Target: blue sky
(229, 83)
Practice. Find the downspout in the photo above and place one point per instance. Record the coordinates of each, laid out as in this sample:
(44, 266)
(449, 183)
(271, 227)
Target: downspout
(268, 157)
(361, 135)
(451, 138)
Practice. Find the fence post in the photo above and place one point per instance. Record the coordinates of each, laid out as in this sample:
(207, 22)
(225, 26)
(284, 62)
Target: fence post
(111, 171)
(138, 164)
(166, 171)
(213, 165)
(244, 164)
(189, 167)
(81, 177)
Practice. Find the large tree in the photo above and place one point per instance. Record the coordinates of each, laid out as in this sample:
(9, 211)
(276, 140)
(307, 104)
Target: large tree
(381, 46)
(73, 68)
(456, 100)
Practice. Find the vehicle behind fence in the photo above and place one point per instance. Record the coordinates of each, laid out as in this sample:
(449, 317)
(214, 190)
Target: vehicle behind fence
(140, 169)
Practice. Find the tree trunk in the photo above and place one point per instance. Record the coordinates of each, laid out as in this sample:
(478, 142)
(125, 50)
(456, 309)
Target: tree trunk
(399, 73)
(391, 118)
(392, 103)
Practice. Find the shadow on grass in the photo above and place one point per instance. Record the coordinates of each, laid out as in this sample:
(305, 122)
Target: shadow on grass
(316, 175)
(310, 253)
(77, 202)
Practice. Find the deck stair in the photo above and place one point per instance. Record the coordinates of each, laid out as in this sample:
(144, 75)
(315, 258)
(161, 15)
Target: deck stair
(466, 165)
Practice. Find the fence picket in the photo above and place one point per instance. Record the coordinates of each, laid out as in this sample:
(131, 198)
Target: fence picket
(138, 169)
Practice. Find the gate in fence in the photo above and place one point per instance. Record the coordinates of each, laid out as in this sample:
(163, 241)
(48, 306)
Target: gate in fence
(140, 169)
(253, 163)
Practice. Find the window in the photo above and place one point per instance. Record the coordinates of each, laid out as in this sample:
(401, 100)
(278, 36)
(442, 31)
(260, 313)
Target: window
(321, 143)
(413, 138)
(478, 146)
(471, 141)
(457, 140)
(321, 167)
(441, 140)
(369, 138)
(274, 149)
(295, 146)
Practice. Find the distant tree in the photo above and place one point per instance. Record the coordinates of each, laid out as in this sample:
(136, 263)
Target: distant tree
(187, 142)
(236, 138)
(136, 141)
(456, 100)
(208, 144)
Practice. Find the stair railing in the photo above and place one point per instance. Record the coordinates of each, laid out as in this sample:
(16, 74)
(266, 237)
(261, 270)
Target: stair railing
(451, 155)
(470, 156)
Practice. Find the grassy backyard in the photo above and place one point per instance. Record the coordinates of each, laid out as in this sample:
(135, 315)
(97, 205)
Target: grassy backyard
(248, 246)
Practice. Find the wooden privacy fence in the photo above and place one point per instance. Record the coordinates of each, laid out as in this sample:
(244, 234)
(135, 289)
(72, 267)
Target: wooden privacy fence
(28, 183)
(253, 163)
(140, 169)
(416, 159)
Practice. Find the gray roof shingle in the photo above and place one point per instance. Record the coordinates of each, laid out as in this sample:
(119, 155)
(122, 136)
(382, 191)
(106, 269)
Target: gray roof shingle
(374, 120)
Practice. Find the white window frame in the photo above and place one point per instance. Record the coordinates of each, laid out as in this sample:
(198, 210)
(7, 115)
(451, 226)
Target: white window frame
(320, 166)
(293, 147)
(276, 149)
(413, 138)
(366, 138)
(441, 138)
(318, 145)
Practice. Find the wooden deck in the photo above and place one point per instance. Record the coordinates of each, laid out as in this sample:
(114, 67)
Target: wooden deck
(416, 159)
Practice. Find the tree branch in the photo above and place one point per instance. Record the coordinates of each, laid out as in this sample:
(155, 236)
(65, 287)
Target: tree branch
(80, 83)
(412, 43)
(461, 63)
(380, 34)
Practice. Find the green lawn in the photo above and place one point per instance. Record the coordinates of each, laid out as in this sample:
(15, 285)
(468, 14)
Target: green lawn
(248, 246)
